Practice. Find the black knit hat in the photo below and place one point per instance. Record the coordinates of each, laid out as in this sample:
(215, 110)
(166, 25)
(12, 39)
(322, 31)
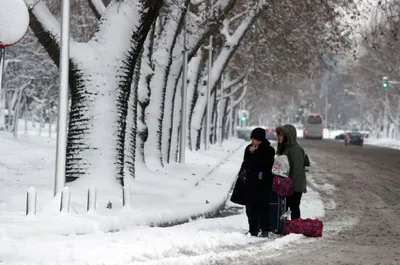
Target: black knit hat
(258, 134)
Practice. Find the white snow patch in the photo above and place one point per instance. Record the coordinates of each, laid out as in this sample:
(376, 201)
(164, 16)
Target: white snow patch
(391, 143)
(14, 21)
(172, 194)
(198, 242)
(51, 239)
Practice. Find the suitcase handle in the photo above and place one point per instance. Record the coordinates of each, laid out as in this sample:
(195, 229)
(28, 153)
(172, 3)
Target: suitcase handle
(286, 214)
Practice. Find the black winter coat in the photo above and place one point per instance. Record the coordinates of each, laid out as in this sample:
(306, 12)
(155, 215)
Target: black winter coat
(255, 191)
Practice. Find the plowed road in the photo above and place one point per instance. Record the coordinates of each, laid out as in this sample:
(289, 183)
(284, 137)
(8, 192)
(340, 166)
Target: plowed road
(364, 226)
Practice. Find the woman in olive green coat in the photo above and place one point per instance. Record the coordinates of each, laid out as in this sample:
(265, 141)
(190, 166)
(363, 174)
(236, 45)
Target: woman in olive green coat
(288, 145)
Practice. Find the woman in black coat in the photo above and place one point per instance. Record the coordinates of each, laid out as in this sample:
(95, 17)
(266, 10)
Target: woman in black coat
(255, 182)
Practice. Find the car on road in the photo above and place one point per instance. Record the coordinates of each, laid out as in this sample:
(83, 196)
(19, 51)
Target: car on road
(354, 138)
(243, 133)
(271, 134)
(340, 136)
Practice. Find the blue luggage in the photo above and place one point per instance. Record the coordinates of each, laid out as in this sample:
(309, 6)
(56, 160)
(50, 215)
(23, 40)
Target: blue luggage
(277, 213)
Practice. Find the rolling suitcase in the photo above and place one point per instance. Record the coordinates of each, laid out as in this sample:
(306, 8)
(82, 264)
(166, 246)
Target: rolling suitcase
(277, 213)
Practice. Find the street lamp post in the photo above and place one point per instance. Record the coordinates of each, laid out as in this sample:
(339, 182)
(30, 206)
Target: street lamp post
(2, 107)
(208, 95)
(221, 111)
(61, 152)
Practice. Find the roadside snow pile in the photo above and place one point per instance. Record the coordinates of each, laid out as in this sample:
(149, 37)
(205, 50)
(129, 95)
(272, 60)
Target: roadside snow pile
(176, 194)
(328, 134)
(391, 143)
(203, 241)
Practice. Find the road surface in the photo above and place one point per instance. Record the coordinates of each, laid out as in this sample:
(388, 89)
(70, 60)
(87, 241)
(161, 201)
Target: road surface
(367, 197)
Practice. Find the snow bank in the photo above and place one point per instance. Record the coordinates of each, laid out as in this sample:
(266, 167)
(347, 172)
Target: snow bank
(14, 21)
(173, 195)
(391, 143)
(328, 134)
(204, 241)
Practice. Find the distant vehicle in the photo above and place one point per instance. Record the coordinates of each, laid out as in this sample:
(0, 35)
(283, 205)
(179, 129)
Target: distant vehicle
(365, 134)
(313, 127)
(244, 133)
(271, 134)
(340, 136)
(343, 135)
(354, 138)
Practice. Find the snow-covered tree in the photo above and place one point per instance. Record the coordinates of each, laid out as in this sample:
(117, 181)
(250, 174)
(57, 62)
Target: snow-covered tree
(285, 47)
(101, 75)
(233, 30)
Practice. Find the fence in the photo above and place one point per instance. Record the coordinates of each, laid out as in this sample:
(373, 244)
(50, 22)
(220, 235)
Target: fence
(31, 199)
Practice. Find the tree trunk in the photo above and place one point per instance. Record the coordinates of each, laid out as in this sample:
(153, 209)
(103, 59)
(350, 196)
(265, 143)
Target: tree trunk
(131, 123)
(143, 99)
(162, 58)
(193, 76)
(101, 74)
(176, 120)
(172, 107)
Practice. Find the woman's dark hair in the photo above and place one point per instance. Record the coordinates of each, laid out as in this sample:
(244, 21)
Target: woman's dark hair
(281, 146)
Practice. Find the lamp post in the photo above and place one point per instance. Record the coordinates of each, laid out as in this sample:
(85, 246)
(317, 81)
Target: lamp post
(61, 149)
(208, 95)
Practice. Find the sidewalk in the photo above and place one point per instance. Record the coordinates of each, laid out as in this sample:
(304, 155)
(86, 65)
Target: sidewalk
(176, 195)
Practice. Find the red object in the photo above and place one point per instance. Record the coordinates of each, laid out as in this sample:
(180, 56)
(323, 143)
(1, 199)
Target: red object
(314, 116)
(361, 138)
(320, 116)
(282, 186)
(347, 137)
(307, 227)
(306, 132)
(5, 45)
(322, 132)
(269, 130)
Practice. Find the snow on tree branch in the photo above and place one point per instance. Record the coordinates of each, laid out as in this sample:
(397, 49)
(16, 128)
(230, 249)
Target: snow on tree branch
(241, 98)
(98, 7)
(46, 27)
(236, 84)
(43, 15)
(236, 89)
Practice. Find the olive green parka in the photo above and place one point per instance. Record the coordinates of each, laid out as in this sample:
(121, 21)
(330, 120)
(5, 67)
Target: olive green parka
(295, 154)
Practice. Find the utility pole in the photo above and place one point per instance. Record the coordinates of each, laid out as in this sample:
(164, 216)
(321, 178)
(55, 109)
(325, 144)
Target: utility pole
(398, 119)
(182, 148)
(2, 94)
(61, 153)
(221, 111)
(210, 58)
(327, 103)
(231, 117)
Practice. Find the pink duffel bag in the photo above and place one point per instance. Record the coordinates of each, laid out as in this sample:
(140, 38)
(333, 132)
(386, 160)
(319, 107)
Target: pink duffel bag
(307, 227)
(282, 186)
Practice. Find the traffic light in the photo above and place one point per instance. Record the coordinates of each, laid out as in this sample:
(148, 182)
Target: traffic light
(244, 117)
(385, 82)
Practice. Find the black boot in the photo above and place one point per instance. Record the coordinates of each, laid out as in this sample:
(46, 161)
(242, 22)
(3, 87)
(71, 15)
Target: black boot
(264, 234)
(251, 233)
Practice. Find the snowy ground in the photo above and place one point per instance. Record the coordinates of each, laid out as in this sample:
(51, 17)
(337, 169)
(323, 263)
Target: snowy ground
(391, 143)
(172, 195)
(197, 242)
(175, 194)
